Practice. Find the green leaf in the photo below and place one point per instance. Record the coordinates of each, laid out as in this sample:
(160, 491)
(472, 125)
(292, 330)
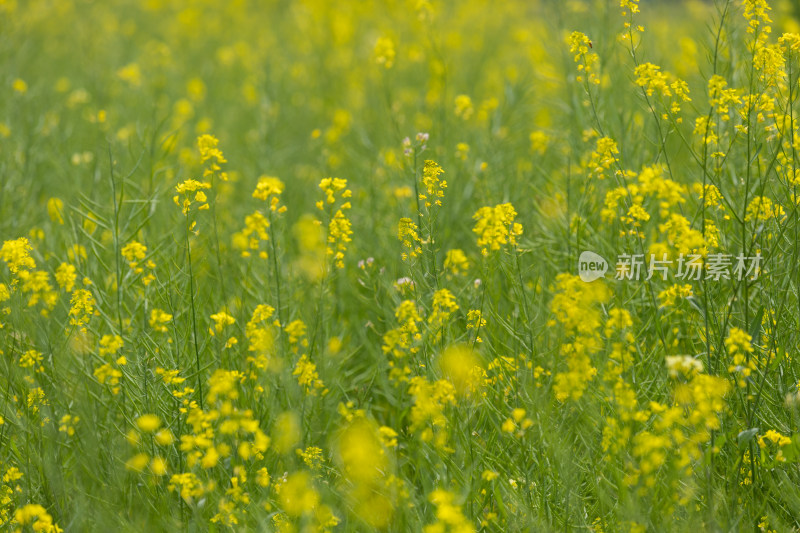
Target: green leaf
(755, 326)
(746, 436)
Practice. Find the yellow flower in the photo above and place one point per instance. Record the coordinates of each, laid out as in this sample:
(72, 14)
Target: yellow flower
(148, 423)
(495, 227)
(448, 514)
(138, 462)
(489, 475)
(133, 252)
(110, 344)
(158, 466)
(19, 86)
(579, 44)
(108, 374)
(384, 52)
(16, 255)
(762, 208)
(444, 305)
(159, 320)
(210, 459)
(185, 189)
(464, 108)
(456, 262)
(339, 232)
(539, 141)
(756, 12)
(775, 438)
(312, 457)
(37, 517)
(339, 227)
(388, 436)
(55, 210)
(434, 187)
(463, 368)
(286, 432)
(164, 437)
(31, 359)
(307, 376)
(462, 151)
(130, 73)
(408, 233)
(189, 487)
(221, 320)
(82, 308)
(269, 189)
(296, 329)
(297, 496)
(65, 276)
(262, 477)
(603, 157)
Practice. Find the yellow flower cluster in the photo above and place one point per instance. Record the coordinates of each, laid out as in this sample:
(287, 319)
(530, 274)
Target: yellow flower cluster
(575, 308)
(184, 198)
(8, 487)
(159, 320)
(269, 189)
(456, 262)
(401, 341)
(82, 308)
(363, 452)
(109, 373)
(685, 239)
(464, 108)
(134, 253)
(756, 12)
(495, 227)
(37, 517)
(211, 156)
(603, 157)
(255, 232)
(384, 52)
(408, 233)
(721, 97)
(427, 413)
(261, 336)
(434, 186)
(16, 254)
(339, 228)
(462, 367)
(762, 208)
(654, 81)
(307, 375)
(444, 305)
(449, 516)
(740, 350)
(669, 297)
(579, 44)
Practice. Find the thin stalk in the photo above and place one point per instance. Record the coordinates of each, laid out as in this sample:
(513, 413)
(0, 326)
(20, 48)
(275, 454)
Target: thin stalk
(194, 314)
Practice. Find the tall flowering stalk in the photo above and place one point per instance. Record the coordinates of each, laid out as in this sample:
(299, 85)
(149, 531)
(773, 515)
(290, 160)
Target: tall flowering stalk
(431, 199)
(428, 197)
(339, 228)
(190, 198)
(338, 236)
(269, 190)
(211, 157)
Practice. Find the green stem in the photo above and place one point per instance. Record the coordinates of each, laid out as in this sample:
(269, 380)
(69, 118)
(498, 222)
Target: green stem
(194, 314)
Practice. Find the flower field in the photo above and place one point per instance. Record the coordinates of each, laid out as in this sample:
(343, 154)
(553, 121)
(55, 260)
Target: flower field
(410, 265)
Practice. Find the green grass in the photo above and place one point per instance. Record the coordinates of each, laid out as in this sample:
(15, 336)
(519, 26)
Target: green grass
(453, 376)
